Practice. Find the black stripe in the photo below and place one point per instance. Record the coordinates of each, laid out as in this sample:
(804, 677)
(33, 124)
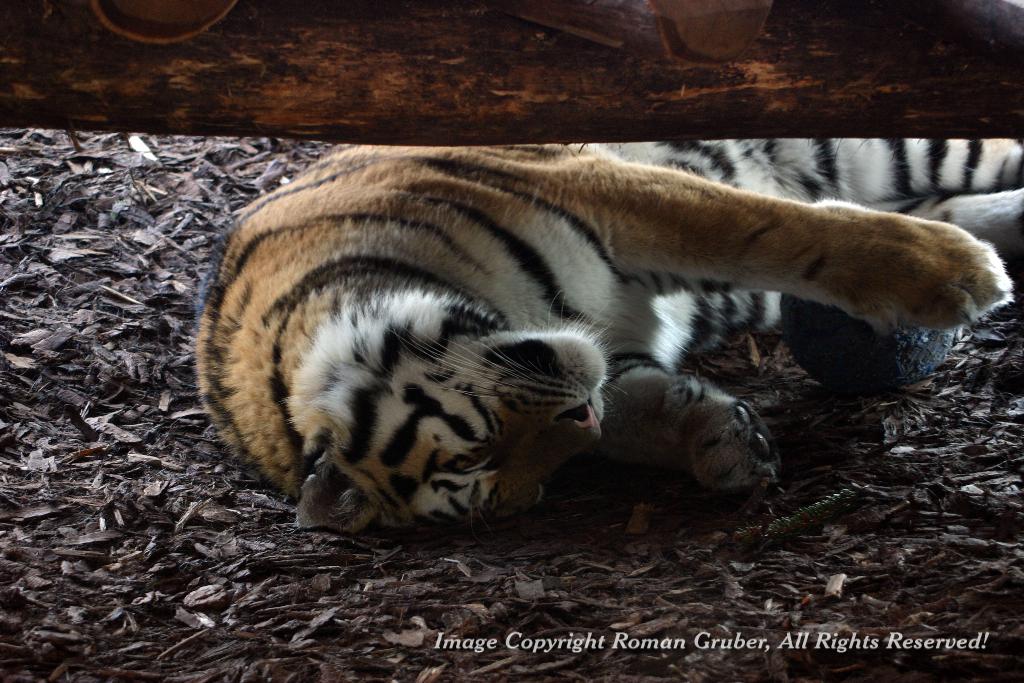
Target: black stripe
(464, 319)
(623, 363)
(461, 320)
(814, 268)
(484, 412)
(714, 286)
(757, 309)
(211, 302)
(999, 185)
(321, 442)
(655, 278)
(685, 167)
(937, 151)
(758, 234)
(215, 399)
(973, 159)
(703, 324)
(826, 159)
(381, 492)
(695, 391)
(679, 282)
(318, 221)
(439, 377)
(912, 205)
(1021, 220)
(208, 284)
(364, 424)
(224, 420)
(716, 156)
(811, 186)
(525, 256)
(402, 441)
(629, 356)
(730, 313)
(337, 271)
(403, 485)
(1020, 166)
(446, 484)
(901, 167)
(531, 355)
(391, 349)
(431, 465)
(404, 437)
(279, 393)
(460, 169)
(300, 187)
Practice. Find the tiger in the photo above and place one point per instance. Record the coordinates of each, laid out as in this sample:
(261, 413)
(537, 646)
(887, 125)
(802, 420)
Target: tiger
(403, 335)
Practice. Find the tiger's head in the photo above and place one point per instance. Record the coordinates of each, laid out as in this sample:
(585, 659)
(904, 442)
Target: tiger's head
(422, 407)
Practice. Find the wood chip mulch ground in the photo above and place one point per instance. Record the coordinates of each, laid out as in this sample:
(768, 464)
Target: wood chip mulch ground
(131, 548)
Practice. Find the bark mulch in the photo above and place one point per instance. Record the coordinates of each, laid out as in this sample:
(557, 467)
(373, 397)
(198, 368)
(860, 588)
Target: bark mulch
(131, 548)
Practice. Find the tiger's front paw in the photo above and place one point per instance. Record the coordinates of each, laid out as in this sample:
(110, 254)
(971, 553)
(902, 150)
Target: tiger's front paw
(683, 423)
(736, 452)
(904, 270)
(962, 278)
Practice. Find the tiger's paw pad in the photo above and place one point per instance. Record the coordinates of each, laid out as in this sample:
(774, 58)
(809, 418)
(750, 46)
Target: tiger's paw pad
(737, 453)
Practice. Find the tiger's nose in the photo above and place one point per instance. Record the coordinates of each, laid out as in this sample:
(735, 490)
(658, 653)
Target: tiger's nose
(582, 416)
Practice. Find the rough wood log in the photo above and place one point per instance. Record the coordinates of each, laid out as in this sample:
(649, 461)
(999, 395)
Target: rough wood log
(404, 71)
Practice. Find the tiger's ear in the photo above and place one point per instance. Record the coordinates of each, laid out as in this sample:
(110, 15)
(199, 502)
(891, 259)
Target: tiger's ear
(329, 500)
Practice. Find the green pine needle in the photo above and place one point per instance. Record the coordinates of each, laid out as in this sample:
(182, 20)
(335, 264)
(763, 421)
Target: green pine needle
(802, 520)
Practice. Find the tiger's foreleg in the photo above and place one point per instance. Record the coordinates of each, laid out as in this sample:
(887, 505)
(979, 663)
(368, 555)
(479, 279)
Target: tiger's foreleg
(879, 266)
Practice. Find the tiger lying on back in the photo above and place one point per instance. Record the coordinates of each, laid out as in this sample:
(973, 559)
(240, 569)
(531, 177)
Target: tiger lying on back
(426, 334)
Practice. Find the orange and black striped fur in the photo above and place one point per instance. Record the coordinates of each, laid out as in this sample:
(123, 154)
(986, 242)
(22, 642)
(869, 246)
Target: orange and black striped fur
(405, 334)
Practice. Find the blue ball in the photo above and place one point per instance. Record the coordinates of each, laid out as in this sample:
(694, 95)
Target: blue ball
(846, 356)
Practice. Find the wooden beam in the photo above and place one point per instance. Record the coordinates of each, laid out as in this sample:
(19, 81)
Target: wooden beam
(461, 72)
